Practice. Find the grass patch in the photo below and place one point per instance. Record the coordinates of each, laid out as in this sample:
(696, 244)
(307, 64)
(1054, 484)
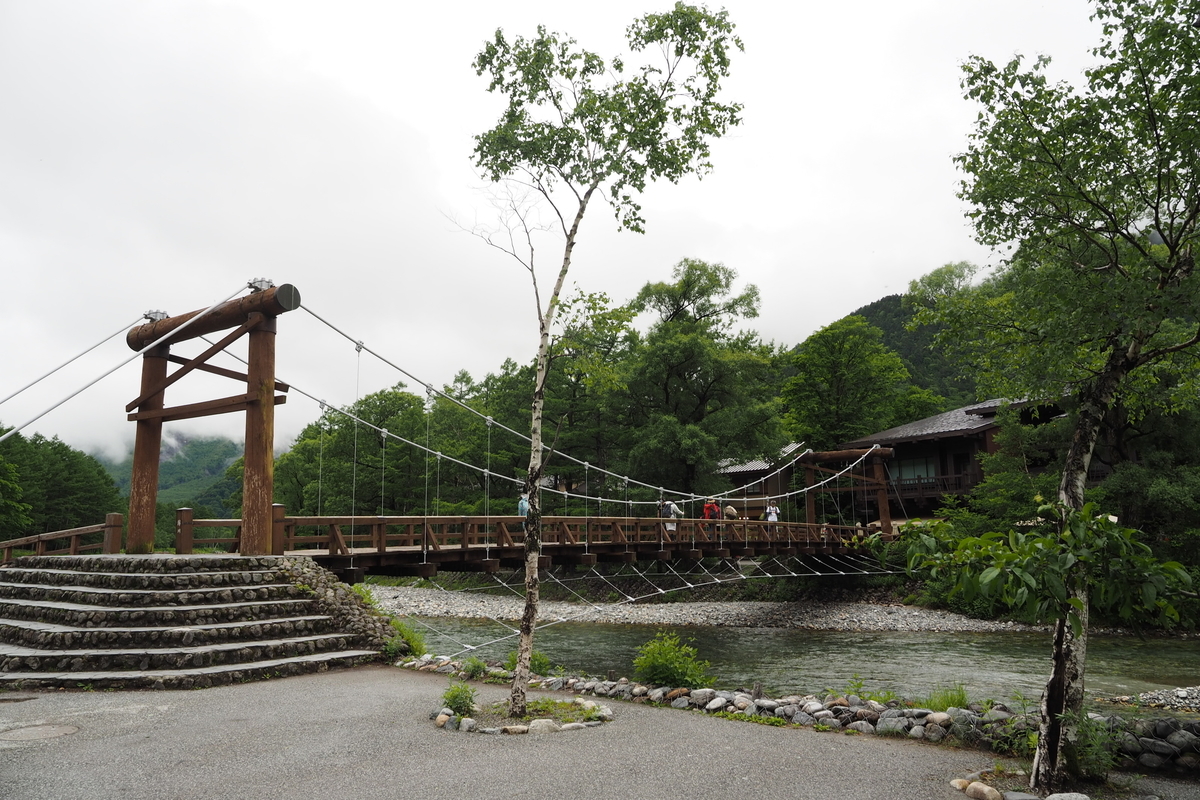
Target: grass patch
(561, 711)
(943, 697)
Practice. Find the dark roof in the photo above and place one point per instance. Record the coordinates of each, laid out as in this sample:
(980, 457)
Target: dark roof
(758, 464)
(960, 421)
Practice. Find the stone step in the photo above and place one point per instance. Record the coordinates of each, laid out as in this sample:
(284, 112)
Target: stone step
(141, 580)
(98, 616)
(157, 563)
(52, 636)
(192, 678)
(17, 658)
(141, 598)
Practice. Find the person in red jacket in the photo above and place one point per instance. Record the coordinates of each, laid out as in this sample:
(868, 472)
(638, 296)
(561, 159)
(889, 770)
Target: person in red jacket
(710, 511)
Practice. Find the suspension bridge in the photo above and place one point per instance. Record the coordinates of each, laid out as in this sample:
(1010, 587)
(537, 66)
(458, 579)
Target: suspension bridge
(230, 581)
(355, 545)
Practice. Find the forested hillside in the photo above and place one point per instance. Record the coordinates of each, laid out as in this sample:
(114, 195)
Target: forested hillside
(928, 366)
(47, 485)
(191, 472)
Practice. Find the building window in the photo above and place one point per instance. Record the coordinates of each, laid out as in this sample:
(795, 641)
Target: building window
(917, 468)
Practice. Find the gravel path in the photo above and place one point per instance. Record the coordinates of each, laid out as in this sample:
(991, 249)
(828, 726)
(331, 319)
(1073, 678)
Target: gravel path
(831, 616)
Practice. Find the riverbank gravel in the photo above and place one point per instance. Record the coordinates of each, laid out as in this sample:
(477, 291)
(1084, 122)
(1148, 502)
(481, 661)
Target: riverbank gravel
(808, 615)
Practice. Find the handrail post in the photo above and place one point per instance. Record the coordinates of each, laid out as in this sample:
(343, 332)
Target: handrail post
(113, 525)
(278, 534)
(184, 531)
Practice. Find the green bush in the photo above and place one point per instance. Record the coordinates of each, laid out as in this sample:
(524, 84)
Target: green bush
(667, 661)
(365, 595)
(460, 698)
(411, 636)
(539, 663)
(475, 668)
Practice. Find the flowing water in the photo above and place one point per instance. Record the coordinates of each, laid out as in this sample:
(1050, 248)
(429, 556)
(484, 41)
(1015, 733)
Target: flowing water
(785, 661)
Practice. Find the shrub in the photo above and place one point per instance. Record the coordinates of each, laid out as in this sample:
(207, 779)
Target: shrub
(475, 668)
(411, 636)
(539, 663)
(460, 698)
(367, 598)
(667, 661)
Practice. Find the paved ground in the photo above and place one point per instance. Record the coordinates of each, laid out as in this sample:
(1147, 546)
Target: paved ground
(365, 733)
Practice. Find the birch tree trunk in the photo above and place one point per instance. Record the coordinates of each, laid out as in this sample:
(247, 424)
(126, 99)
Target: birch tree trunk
(533, 480)
(1062, 700)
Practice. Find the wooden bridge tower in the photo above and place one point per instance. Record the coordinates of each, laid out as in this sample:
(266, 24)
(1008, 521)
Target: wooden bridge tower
(253, 315)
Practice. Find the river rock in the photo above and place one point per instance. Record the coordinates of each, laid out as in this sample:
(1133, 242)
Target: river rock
(893, 725)
(573, 726)
(812, 707)
(861, 727)
(940, 718)
(680, 702)
(543, 726)
(1151, 761)
(1067, 796)
(981, 791)
(960, 784)
(1188, 762)
(1184, 741)
(700, 697)
(441, 720)
(823, 715)
(802, 718)
(515, 730)
(1165, 727)
(1020, 796)
(656, 695)
(674, 693)
(833, 702)
(934, 733)
(716, 704)
(1159, 747)
(767, 703)
(916, 732)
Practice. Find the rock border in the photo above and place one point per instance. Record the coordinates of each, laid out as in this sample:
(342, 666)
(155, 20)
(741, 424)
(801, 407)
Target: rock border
(1157, 745)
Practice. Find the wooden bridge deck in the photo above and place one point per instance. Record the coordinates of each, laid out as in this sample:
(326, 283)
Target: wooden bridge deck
(418, 545)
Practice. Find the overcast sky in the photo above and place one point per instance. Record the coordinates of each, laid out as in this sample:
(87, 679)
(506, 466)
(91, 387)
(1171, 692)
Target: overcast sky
(157, 155)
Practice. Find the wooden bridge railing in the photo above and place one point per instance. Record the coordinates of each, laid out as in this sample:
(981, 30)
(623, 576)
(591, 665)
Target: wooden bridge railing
(339, 535)
(105, 538)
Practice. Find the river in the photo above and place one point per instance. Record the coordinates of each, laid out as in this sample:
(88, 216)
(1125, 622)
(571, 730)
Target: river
(989, 665)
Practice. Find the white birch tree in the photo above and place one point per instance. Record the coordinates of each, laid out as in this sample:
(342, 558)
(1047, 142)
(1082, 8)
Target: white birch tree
(576, 127)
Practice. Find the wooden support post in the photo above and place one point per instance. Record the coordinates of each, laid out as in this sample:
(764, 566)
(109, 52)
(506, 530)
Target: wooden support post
(143, 487)
(278, 529)
(184, 531)
(258, 477)
(881, 497)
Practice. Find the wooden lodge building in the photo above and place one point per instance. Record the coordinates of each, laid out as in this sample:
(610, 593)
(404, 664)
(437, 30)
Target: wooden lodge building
(928, 459)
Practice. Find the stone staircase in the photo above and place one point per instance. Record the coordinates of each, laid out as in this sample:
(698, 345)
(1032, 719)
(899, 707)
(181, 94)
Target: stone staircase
(173, 622)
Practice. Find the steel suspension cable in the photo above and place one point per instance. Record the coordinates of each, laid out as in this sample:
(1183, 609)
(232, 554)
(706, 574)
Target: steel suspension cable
(429, 388)
(75, 358)
(147, 348)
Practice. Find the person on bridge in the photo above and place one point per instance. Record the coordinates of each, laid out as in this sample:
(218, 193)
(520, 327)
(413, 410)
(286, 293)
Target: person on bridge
(523, 508)
(710, 511)
(772, 514)
(669, 510)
